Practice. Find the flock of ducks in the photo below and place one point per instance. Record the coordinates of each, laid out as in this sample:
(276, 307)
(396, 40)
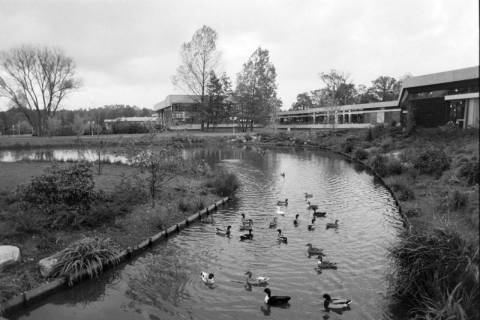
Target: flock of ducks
(330, 303)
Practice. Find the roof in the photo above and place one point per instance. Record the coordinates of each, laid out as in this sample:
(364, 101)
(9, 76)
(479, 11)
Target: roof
(133, 119)
(442, 77)
(372, 105)
(176, 98)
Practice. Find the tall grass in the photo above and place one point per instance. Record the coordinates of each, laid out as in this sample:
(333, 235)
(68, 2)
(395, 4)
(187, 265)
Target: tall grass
(223, 184)
(437, 275)
(86, 255)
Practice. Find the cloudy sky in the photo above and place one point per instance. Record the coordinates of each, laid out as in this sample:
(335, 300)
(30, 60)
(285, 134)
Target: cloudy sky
(127, 51)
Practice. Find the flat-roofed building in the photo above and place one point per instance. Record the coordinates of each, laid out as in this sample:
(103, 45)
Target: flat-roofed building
(438, 98)
(179, 110)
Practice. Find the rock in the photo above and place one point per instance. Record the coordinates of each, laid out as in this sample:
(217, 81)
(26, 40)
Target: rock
(46, 265)
(9, 255)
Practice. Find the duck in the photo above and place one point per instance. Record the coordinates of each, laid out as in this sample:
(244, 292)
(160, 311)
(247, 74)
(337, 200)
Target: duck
(335, 303)
(246, 225)
(295, 222)
(280, 211)
(319, 213)
(247, 236)
(257, 281)
(273, 223)
(321, 264)
(332, 224)
(313, 251)
(207, 278)
(275, 300)
(282, 174)
(281, 238)
(311, 226)
(224, 232)
(308, 195)
(313, 207)
(243, 219)
(282, 203)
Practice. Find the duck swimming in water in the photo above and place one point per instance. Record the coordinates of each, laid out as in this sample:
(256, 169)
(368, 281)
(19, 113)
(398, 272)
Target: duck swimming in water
(273, 223)
(281, 238)
(311, 226)
(313, 251)
(224, 232)
(319, 213)
(282, 203)
(321, 264)
(247, 236)
(308, 196)
(295, 222)
(257, 281)
(313, 207)
(207, 278)
(246, 225)
(275, 300)
(282, 174)
(335, 303)
(332, 225)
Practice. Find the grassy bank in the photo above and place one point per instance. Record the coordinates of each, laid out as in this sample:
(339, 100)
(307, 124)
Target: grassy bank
(120, 211)
(434, 174)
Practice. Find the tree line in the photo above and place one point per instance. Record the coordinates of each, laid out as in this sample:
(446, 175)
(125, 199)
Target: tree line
(339, 90)
(71, 122)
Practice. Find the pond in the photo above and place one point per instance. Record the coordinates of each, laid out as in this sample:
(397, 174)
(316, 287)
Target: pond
(164, 283)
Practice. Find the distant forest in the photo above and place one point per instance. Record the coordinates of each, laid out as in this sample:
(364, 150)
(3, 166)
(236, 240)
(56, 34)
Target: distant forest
(70, 122)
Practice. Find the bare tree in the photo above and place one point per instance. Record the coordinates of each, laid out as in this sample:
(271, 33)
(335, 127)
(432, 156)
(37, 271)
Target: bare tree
(199, 57)
(36, 80)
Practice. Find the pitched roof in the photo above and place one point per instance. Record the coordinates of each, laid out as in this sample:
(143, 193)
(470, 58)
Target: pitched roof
(441, 77)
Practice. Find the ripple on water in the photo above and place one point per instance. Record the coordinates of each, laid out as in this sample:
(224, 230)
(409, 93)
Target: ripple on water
(165, 283)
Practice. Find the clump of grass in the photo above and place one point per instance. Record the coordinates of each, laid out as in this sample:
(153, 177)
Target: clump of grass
(457, 200)
(361, 154)
(436, 275)
(403, 192)
(223, 183)
(469, 171)
(88, 255)
(432, 161)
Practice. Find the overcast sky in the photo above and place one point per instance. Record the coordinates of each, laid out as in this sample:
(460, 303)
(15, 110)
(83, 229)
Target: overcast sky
(127, 51)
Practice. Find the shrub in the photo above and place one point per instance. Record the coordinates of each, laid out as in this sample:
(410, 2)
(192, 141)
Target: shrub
(393, 166)
(347, 147)
(378, 163)
(361, 154)
(184, 205)
(130, 190)
(403, 192)
(369, 136)
(386, 144)
(432, 161)
(224, 184)
(469, 171)
(457, 200)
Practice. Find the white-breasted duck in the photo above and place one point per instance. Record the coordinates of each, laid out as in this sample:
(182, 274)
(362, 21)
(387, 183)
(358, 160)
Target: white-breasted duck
(281, 238)
(207, 277)
(282, 203)
(257, 281)
(275, 300)
(324, 264)
(335, 303)
(311, 226)
(273, 222)
(224, 232)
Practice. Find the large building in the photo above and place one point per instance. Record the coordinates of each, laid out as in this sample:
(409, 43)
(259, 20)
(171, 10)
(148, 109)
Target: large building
(434, 99)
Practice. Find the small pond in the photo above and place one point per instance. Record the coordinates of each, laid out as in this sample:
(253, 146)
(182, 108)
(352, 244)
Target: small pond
(164, 283)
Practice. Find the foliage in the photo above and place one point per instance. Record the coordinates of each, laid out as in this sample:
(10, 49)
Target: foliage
(386, 88)
(339, 90)
(256, 89)
(361, 154)
(403, 192)
(37, 82)
(378, 163)
(88, 255)
(218, 108)
(304, 102)
(347, 147)
(436, 275)
(457, 200)
(432, 161)
(393, 167)
(190, 204)
(224, 183)
(469, 171)
(78, 125)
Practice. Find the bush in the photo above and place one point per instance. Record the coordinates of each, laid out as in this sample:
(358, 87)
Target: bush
(469, 171)
(347, 147)
(361, 154)
(224, 184)
(403, 192)
(393, 167)
(432, 161)
(379, 164)
(86, 255)
(457, 200)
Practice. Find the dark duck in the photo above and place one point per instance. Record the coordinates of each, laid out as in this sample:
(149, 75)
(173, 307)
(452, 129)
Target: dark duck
(275, 300)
